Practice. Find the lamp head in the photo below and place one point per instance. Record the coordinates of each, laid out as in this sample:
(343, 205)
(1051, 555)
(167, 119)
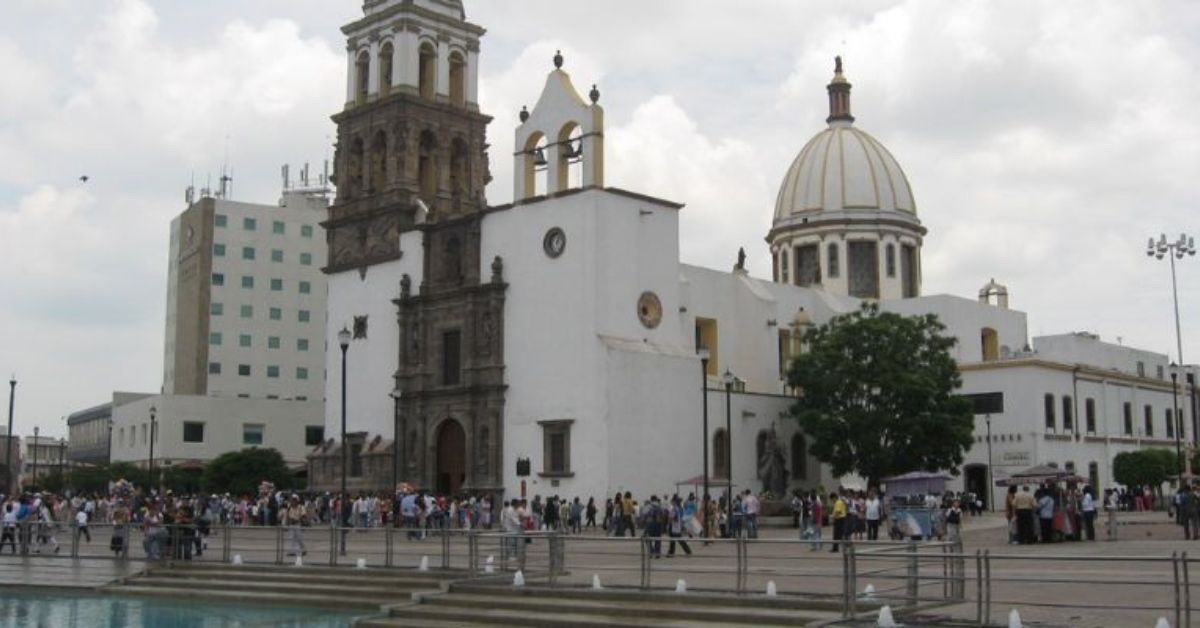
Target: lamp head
(728, 378)
(704, 354)
(153, 411)
(344, 338)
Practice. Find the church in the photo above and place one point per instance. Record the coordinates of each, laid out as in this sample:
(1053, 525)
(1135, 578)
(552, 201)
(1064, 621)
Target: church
(556, 344)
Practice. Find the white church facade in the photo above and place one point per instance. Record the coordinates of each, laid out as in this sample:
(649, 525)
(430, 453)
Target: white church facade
(557, 345)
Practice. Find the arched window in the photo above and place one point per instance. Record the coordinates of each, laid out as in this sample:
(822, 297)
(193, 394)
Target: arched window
(833, 262)
(355, 167)
(533, 165)
(1068, 413)
(1089, 410)
(458, 167)
(989, 342)
(427, 81)
(378, 176)
(799, 457)
(783, 265)
(1051, 423)
(453, 259)
(760, 449)
(386, 57)
(458, 79)
(889, 260)
(362, 75)
(427, 167)
(720, 455)
(1094, 475)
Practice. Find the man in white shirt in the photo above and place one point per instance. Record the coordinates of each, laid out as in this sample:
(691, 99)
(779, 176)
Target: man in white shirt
(752, 507)
(1089, 514)
(874, 512)
(81, 525)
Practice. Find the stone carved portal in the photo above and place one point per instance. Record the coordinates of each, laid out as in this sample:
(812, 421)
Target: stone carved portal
(451, 458)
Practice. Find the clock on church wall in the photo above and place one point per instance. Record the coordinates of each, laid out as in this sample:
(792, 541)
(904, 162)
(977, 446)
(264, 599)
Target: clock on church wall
(555, 242)
(649, 310)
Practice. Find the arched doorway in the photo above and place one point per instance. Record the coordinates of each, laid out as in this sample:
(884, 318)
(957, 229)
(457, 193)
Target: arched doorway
(976, 481)
(451, 458)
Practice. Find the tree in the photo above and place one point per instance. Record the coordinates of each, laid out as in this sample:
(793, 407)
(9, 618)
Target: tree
(1144, 467)
(95, 479)
(877, 395)
(240, 472)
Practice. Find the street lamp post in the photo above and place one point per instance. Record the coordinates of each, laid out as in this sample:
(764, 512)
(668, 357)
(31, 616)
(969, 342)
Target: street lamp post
(344, 343)
(991, 491)
(1178, 424)
(1185, 245)
(33, 445)
(153, 420)
(62, 460)
(396, 446)
(704, 357)
(13, 478)
(729, 379)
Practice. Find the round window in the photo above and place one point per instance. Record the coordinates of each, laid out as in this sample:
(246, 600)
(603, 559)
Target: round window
(649, 310)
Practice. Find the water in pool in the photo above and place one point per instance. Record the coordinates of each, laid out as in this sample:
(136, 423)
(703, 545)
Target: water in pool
(41, 610)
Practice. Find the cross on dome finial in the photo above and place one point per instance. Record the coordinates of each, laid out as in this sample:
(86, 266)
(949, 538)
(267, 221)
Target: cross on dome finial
(837, 64)
(558, 60)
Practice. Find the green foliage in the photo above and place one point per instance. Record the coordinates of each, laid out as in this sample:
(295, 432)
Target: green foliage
(877, 395)
(240, 472)
(95, 479)
(1147, 466)
(183, 481)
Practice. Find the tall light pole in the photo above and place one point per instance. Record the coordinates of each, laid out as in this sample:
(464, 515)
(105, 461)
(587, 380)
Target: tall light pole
(13, 478)
(1185, 245)
(396, 447)
(1178, 425)
(991, 490)
(33, 445)
(62, 459)
(344, 343)
(150, 482)
(729, 380)
(704, 357)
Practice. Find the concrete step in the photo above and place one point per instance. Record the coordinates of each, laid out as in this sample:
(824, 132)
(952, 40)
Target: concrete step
(310, 568)
(241, 597)
(649, 606)
(416, 622)
(373, 592)
(302, 575)
(459, 616)
(692, 599)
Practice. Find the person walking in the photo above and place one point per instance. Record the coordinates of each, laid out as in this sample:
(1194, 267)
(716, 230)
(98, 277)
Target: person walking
(294, 517)
(818, 516)
(1045, 510)
(1088, 506)
(626, 523)
(675, 519)
(954, 522)
(652, 525)
(81, 525)
(751, 506)
(838, 519)
(1024, 504)
(591, 513)
(1112, 503)
(10, 528)
(873, 511)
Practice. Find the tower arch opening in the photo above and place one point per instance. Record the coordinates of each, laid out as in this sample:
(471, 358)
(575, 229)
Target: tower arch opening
(458, 79)
(387, 54)
(427, 70)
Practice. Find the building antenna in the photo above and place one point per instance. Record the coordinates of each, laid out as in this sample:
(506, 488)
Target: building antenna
(226, 189)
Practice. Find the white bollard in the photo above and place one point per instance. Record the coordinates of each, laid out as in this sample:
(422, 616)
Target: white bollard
(490, 566)
(1162, 623)
(680, 586)
(518, 579)
(885, 618)
(869, 591)
(361, 563)
(237, 559)
(299, 563)
(596, 582)
(424, 566)
(772, 591)
(1014, 619)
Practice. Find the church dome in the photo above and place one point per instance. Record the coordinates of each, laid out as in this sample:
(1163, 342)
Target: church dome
(843, 168)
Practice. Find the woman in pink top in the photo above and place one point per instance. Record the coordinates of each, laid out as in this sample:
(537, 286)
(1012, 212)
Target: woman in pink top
(817, 514)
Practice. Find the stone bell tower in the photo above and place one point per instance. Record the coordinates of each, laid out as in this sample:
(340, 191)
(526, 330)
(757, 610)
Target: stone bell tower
(411, 142)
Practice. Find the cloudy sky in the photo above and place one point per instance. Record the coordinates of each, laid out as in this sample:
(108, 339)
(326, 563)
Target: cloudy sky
(1045, 141)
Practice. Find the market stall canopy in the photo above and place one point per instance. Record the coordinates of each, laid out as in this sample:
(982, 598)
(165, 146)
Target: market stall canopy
(1038, 475)
(917, 483)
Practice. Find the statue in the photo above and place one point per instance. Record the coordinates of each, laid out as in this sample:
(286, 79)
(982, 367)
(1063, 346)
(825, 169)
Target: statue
(772, 468)
(497, 270)
(741, 263)
(405, 286)
(837, 64)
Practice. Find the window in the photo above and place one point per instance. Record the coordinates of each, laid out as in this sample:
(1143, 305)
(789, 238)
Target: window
(832, 265)
(1170, 424)
(909, 273)
(276, 314)
(248, 282)
(1141, 369)
(305, 287)
(427, 70)
(889, 260)
(249, 224)
(451, 357)
(218, 250)
(273, 371)
(990, 344)
(306, 231)
(218, 279)
(301, 373)
(277, 227)
(252, 433)
(276, 285)
(306, 259)
(1050, 422)
(806, 265)
(314, 435)
(1068, 414)
(214, 339)
(276, 255)
(273, 342)
(1148, 412)
(302, 344)
(556, 447)
(214, 368)
(458, 80)
(720, 455)
(386, 74)
(760, 448)
(785, 352)
(193, 432)
(706, 338)
(244, 340)
(221, 220)
(356, 461)
(248, 252)
(1159, 371)
(1128, 411)
(799, 457)
(783, 265)
(247, 311)
(304, 316)
(216, 309)
(244, 370)
(1089, 413)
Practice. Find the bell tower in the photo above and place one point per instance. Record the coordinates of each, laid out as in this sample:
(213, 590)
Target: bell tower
(411, 142)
